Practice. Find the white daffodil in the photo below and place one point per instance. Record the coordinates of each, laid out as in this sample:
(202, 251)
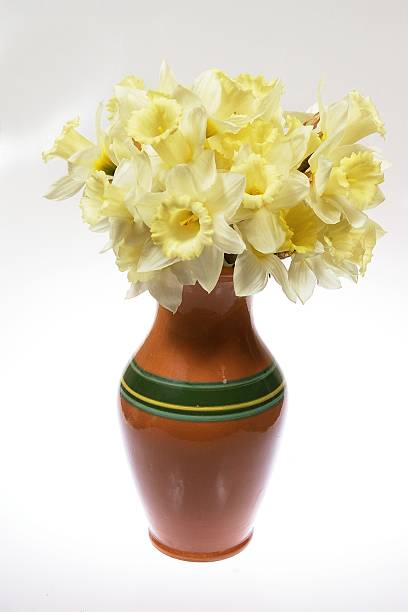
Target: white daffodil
(252, 270)
(190, 220)
(83, 158)
(268, 190)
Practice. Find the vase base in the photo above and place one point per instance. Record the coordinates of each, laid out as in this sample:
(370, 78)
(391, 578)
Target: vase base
(199, 556)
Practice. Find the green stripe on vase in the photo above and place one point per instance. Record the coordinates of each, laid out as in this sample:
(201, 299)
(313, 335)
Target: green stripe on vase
(202, 401)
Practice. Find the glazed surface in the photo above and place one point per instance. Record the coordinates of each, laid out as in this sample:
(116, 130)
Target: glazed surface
(211, 337)
(201, 482)
(201, 407)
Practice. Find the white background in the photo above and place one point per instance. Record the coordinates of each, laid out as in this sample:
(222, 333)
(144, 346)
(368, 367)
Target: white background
(332, 532)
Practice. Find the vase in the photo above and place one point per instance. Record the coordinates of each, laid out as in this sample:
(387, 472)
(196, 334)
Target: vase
(201, 406)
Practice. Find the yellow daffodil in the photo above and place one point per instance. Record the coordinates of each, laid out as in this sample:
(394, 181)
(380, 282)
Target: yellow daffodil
(106, 199)
(233, 103)
(303, 229)
(268, 189)
(346, 251)
(259, 136)
(356, 177)
(84, 158)
(165, 285)
(69, 142)
(190, 220)
(345, 243)
(175, 129)
(345, 182)
(354, 117)
(183, 176)
(123, 90)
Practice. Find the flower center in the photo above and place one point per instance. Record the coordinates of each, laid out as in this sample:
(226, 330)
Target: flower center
(155, 122)
(182, 228)
(105, 164)
(190, 219)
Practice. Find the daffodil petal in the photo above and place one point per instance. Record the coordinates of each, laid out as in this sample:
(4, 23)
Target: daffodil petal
(301, 278)
(355, 217)
(295, 189)
(63, 188)
(207, 267)
(152, 258)
(249, 275)
(325, 208)
(193, 126)
(181, 182)
(225, 237)
(146, 206)
(226, 194)
(136, 289)
(166, 289)
(324, 167)
(167, 80)
(264, 230)
(204, 171)
(208, 88)
(277, 269)
(325, 275)
(186, 97)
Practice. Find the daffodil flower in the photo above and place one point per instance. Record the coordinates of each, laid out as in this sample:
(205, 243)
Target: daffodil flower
(190, 220)
(83, 158)
(268, 190)
(354, 117)
(105, 199)
(173, 126)
(233, 103)
(344, 243)
(183, 176)
(345, 182)
(303, 229)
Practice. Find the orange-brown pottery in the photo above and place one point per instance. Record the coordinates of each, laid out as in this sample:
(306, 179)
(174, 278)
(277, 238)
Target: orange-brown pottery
(201, 408)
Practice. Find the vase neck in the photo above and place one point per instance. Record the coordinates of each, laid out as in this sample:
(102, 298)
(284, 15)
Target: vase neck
(210, 337)
(201, 313)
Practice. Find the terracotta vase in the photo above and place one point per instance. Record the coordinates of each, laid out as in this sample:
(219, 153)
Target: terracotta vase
(201, 408)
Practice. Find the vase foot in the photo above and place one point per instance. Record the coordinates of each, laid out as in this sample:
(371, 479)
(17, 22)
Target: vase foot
(200, 556)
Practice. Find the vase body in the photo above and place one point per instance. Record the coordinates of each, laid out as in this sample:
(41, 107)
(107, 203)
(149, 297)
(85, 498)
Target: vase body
(201, 406)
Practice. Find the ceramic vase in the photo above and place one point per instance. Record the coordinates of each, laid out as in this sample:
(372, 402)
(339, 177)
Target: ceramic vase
(201, 407)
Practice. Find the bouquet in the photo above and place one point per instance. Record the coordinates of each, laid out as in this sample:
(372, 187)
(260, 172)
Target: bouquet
(186, 180)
